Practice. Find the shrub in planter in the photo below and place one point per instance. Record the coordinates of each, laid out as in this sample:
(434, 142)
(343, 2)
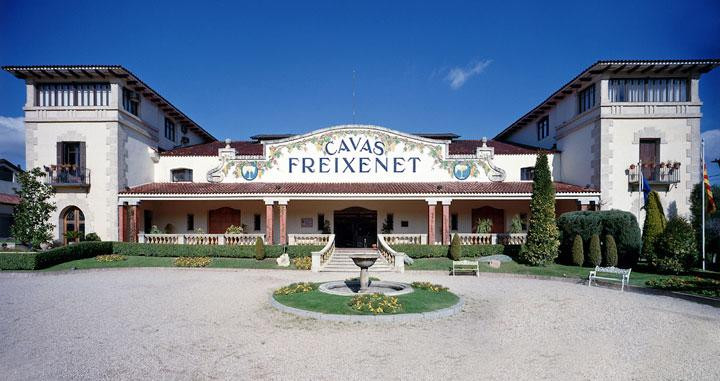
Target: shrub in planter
(594, 256)
(578, 256)
(259, 249)
(675, 249)
(516, 224)
(455, 248)
(484, 226)
(232, 229)
(611, 255)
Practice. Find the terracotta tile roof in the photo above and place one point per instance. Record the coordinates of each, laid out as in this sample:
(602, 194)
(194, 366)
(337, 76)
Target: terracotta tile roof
(211, 149)
(348, 188)
(9, 199)
(466, 147)
(457, 147)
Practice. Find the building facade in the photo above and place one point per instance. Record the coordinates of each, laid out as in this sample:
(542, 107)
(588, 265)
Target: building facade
(126, 163)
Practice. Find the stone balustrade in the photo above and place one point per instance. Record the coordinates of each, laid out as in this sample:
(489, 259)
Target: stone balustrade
(319, 258)
(492, 238)
(394, 258)
(402, 239)
(200, 239)
(308, 239)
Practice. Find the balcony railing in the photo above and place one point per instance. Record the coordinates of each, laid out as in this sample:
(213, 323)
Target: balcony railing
(662, 173)
(58, 175)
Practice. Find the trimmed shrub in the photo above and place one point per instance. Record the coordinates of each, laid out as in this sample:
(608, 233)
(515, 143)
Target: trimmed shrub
(259, 249)
(542, 239)
(439, 251)
(43, 259)
(92, 237)
(455, 248)
(653, 227)
(623, 226)
(611, 256)
(578, 255)
(675, 249)
(594, 256)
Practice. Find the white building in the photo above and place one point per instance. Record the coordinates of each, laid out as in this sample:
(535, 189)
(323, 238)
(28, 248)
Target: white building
(8, 197)
(124, 159)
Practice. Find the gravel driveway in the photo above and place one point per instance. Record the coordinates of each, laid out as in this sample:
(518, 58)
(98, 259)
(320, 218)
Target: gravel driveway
(217, 324)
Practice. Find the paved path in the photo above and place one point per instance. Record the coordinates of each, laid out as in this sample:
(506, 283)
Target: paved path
(204, 324)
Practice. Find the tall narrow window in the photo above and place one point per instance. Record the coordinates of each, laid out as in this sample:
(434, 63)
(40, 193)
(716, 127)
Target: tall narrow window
(320, 221)
(390, 221)
(454, 221)
(256, 222)
(130, 101)
(169, 130)
(586, 99)
(190, 222)
(649, 157)
(543, 128)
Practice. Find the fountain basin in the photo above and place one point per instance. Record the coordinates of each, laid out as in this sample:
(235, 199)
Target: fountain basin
(353, 288)
(364, 261)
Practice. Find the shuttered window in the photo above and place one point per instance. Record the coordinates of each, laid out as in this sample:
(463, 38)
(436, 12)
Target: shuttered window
(72, 94)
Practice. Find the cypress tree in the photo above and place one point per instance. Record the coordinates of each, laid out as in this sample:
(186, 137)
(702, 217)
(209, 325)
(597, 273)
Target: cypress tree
(578, 256)
(594, 255)
(543, 236)
(654, 225)
(611, 254)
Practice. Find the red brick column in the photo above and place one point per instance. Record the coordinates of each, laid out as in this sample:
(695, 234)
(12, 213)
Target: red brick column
(283, 223)
(431, 222)
(269, 224)
(446, 223)
(133, 223)
(121, 223)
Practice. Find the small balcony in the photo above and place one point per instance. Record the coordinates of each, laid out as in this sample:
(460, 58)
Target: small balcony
(67, 176)
(667, 173)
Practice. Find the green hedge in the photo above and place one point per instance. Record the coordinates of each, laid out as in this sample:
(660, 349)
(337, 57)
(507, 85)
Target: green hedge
(623, 226)
(245, 251)
(441, 251)
(44, 259)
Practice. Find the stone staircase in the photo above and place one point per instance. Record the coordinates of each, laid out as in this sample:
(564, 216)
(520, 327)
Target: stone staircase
(341, 262)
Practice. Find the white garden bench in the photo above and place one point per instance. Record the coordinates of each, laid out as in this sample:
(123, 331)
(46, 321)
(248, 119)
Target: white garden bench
(618, 275)
(466, 266)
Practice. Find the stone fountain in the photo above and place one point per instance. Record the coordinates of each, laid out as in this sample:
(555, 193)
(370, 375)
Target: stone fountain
(364, 262)
(363, 285)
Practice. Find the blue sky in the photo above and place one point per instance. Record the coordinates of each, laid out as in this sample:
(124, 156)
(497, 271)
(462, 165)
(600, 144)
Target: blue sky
(244, 68)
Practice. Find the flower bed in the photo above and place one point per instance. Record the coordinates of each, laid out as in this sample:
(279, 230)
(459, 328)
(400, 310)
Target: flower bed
(697, 285)
(306, 296)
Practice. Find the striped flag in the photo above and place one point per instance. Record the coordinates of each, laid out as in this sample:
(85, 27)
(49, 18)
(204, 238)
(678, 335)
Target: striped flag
(711, 207)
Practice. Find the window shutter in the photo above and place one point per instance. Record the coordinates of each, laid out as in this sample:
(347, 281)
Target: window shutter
(59, 153)
(82, 155)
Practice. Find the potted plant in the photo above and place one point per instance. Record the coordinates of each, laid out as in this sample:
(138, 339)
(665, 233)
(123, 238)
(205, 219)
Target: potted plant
(72, 236)
(484, 226)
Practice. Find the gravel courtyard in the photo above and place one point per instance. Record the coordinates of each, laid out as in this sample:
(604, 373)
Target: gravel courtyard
(217, 324)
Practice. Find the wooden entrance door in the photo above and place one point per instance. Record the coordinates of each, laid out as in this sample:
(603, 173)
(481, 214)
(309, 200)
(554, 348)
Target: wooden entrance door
(220, 219)
(355, 227)
(649, 154)
(496, 215)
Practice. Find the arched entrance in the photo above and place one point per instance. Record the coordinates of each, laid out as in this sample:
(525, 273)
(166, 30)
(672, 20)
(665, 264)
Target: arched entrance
(355, 227)
(72, 219)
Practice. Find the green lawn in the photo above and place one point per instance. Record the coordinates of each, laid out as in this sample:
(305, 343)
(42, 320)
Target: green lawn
(415, 302)
(637, 278)
(240, 263)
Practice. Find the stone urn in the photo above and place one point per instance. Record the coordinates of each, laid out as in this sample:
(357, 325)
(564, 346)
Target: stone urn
(364, 261)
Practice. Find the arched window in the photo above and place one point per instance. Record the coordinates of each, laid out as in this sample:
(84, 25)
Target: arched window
(72, 220)
(182, 175)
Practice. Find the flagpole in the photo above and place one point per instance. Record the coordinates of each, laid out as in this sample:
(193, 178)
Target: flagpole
(702, 188)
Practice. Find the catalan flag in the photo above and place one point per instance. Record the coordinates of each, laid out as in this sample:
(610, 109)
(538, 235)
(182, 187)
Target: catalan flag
(711, 207)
